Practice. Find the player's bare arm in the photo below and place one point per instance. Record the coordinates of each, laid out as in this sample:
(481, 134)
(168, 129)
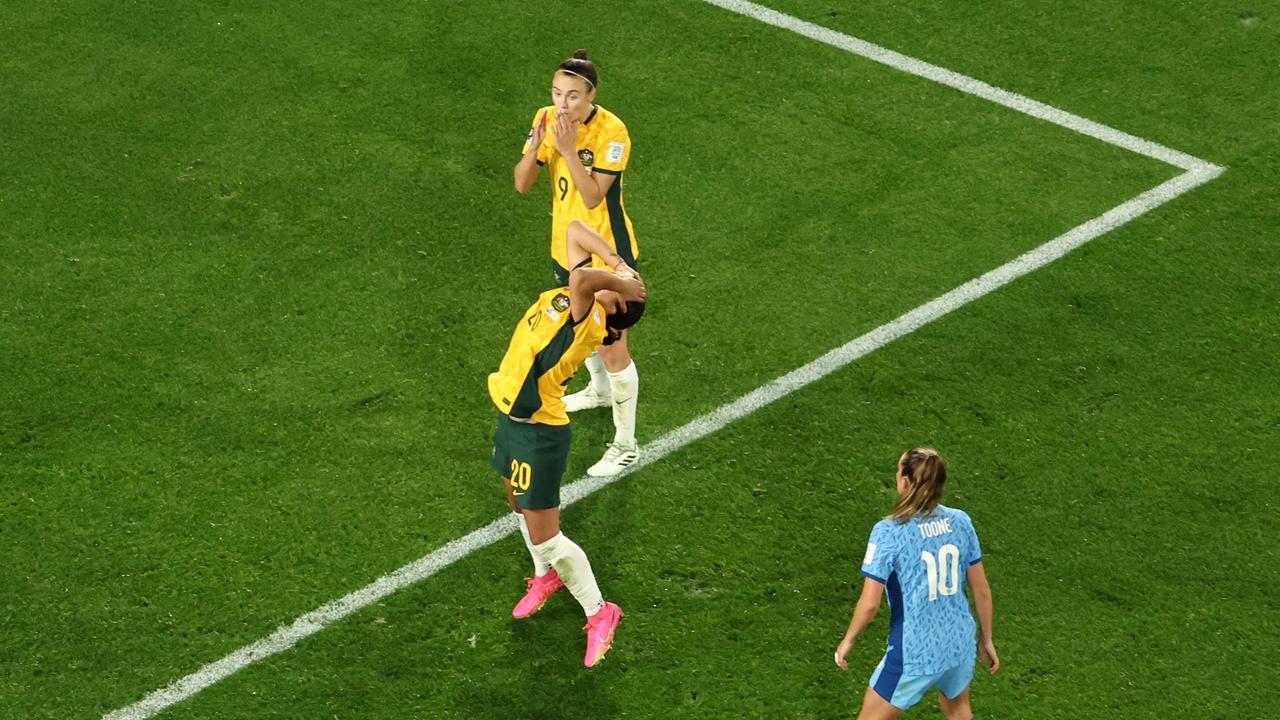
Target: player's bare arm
(585, 282)
(526, 170)
(982, 603)
(865, 611)
(583, 242)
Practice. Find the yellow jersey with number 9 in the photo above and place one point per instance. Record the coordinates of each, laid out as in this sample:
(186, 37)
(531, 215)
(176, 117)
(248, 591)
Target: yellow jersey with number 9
(604, 147)
(546, 349)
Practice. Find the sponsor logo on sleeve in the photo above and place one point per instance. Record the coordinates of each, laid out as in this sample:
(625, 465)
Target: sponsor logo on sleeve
(615, 152)
(871, 554)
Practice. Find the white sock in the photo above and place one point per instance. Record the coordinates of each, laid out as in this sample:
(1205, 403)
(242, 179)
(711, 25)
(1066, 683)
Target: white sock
(574, 569)
(625, 386)
(599, 375)
(540, 565)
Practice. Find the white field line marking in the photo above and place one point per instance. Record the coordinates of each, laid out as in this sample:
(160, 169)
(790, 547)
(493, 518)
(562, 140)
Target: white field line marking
(963, 83)
(1197, 173)
(424, 567)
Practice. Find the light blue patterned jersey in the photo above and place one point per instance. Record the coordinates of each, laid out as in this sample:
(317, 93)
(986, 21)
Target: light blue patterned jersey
(922, 564)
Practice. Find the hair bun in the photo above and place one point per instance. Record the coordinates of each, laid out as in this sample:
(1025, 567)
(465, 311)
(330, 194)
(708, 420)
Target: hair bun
(582, 67)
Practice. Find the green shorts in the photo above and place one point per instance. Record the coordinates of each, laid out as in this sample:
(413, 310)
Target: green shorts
(562, 275)
(533, 456)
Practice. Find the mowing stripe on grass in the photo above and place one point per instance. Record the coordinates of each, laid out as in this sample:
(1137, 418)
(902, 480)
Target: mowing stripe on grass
(426, 566)
(1197, 173)
(963, 83)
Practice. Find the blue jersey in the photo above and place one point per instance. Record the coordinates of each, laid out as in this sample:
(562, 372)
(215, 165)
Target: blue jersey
(923, 563)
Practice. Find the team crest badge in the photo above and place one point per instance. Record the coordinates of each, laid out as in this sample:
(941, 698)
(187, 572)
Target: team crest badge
(587, 157)
(560, 302)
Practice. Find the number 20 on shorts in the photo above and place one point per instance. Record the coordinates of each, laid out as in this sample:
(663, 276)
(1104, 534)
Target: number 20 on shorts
(521, 476)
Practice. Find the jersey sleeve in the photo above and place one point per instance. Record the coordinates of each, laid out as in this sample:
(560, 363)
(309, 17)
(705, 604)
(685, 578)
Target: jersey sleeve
(614, 151)
(877, 563)
(973, 549)
(542, 149)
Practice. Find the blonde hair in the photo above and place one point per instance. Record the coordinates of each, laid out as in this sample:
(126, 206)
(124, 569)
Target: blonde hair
(927, 471)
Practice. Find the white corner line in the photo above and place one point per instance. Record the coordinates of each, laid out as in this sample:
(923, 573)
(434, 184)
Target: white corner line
(1198, 172)
(289, 635)
(963, 83)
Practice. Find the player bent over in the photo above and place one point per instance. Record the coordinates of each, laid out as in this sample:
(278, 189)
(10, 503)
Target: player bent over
(531, 446)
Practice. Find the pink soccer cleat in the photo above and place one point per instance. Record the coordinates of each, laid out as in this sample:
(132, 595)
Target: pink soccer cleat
(600, 629)
(536, 593)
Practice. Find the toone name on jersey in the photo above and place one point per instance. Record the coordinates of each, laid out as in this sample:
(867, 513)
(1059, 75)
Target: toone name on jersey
(934, 528)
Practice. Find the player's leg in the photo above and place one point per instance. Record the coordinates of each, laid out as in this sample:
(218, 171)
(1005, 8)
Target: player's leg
(890, 693)
(574, 569)
(541, 506)
(625, 391)
(542, 511)
(624, 387)
(543, 524)
(953, 692)
(515, 458)
(509, 445)
(957, 708)
(511, 500)
(545, 580)
(540, 565)
(597, 393)
(875, 707)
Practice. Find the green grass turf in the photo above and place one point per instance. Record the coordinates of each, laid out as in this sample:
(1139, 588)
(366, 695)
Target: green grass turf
(261, 260)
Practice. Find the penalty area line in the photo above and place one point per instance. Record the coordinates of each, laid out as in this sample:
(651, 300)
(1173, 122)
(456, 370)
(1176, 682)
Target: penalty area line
(313, 622)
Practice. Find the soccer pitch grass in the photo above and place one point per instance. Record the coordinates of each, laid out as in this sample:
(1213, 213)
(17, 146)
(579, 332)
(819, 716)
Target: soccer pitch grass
(260, 261)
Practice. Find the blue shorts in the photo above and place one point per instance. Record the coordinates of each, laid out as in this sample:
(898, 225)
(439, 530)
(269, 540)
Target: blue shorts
(903, 691)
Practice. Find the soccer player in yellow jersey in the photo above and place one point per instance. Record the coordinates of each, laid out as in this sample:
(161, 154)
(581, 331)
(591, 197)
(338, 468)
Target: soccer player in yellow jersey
(585, 149)
(531, 445)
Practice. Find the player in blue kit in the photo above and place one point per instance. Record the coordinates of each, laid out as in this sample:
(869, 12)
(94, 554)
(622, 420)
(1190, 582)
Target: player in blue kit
(915, 555)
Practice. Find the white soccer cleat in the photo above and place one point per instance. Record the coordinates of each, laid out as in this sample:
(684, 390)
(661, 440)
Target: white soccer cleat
(586, 399)
(616, 459)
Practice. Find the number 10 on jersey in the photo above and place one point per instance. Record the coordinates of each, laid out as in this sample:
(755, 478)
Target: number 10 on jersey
(948, 561)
